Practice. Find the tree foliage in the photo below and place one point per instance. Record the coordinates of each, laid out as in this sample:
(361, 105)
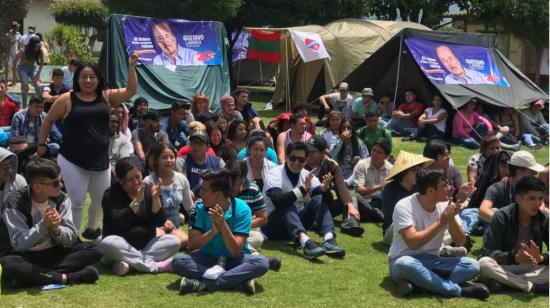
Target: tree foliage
(10, 10)
(67, 41)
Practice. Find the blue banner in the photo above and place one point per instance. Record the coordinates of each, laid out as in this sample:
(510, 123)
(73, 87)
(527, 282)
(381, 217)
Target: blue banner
(172, 42)
(446, 63)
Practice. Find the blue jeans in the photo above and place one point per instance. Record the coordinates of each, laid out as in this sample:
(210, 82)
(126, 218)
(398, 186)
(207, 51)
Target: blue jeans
(238, 270)
(404, 127)
(470, 219)
(473, 141)
(287, 223)
(420, 271)
(26, 72)
(384, 119)
(530, 139)
(429, 131)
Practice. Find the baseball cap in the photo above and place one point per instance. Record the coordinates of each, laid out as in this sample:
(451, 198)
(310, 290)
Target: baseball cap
(317, 143)
(183, 103)
(525, 159)
(367, 91)
(343, 86)
(203, 136)
(539, 102)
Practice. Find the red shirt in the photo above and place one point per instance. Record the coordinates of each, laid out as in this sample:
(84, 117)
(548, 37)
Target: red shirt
(410, 108)
(185, 150)
(7, 110)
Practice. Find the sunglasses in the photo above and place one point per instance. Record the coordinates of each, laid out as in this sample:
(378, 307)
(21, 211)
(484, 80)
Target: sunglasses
(54, 184)
(293, 158)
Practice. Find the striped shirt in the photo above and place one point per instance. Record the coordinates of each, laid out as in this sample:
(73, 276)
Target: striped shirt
(252, 195)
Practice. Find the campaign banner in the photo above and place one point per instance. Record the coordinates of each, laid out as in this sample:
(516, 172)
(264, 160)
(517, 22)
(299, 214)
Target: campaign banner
(309, 45)
(447, 63)
(172, 42)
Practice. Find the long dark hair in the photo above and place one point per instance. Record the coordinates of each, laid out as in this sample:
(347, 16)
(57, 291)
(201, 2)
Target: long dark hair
(210, 127)
(101, 84)
(354, 141)
(153, 156)
(30, 51)
(232, 130)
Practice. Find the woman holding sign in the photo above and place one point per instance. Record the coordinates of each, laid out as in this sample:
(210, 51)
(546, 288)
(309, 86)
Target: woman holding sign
(83, 157)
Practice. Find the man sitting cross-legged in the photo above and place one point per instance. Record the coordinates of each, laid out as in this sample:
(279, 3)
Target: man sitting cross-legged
(294, 202)
(512, 246)
(218, 233)
(419, 223)
(45, 245)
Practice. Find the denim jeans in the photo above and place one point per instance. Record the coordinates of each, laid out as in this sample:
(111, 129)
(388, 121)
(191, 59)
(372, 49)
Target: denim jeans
(530, 139)
(289, 222)
(470, 219)
(401, 127)
(429, 131)
(26, 72)
(420, 270)
(238, 270)
(473, 141)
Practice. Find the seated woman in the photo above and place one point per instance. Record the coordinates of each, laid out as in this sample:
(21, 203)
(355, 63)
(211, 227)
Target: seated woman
(221, 146)
(507, 124)
(132, 214)
(332, 126)
(175, 191)
(469, 127)
(258, 164)
(222, 122)
(37, 232)
(433, 121)
(237, 133)
(534, 128)
(270, 153)
(489, 145)
(346, 149)
(200, 105)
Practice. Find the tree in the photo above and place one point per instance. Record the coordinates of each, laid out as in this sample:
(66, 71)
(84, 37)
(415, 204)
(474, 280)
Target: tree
(426, 12)
(10, 10)
(88, 15)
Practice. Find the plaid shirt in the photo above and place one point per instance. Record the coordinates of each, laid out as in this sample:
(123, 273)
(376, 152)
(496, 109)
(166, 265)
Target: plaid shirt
(20, 127)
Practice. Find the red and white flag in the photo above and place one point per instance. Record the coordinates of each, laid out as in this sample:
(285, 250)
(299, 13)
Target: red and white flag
(309, 45)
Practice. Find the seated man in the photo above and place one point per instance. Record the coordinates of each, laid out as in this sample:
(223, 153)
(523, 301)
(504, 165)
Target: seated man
(420, 221)
(227, 104)
(362, 105)
(371, 133)
(150, 134)
(294, 203)
(119, 145)
(341, 101)
(7, 106)
(244, 106)
(27, 123)
(405, 119)
(219, 234)
(174, 125)
(369, 178)
(141, 105)
(45, 243)
(512, 246)
(328, 170)
(10, 180)
(502, 193)
(54, 90)
(534, 128)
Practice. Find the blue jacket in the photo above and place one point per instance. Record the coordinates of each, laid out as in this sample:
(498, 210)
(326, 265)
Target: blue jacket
(176, 135)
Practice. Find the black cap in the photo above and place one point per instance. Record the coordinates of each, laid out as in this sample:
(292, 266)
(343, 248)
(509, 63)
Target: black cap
(181, 104)
(203, 136)
(317, 143)
(150, 115)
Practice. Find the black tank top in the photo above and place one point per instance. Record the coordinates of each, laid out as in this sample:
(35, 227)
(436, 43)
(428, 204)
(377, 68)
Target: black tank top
(86, 134)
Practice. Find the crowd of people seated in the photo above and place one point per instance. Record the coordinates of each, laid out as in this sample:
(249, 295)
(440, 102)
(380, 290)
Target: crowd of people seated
(237, 182)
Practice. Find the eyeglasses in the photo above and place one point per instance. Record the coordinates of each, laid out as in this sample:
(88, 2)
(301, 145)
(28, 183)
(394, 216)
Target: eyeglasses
(55, 184)
(293, 158)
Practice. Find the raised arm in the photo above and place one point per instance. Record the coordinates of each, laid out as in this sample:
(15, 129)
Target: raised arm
(118, 96)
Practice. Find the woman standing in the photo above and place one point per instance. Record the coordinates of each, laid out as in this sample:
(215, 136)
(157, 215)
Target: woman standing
(28, 63)
(174, 188)
(83, 157)
(237, 133)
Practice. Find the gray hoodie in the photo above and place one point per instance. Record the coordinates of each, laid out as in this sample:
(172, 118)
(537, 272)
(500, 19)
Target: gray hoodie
(17, 181)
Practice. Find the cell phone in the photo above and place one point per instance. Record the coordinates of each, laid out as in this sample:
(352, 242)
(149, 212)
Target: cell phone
(54, 286)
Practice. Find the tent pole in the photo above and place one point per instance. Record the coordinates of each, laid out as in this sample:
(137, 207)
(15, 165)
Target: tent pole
(261, 75)
(398, 71)
(287, 77)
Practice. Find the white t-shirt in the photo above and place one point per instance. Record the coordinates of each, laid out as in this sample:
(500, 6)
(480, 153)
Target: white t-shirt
(430, 115)
(278, 179)
(343, 106)
(408, 212)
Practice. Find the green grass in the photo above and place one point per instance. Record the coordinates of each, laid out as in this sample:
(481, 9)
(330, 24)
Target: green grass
(360, 279)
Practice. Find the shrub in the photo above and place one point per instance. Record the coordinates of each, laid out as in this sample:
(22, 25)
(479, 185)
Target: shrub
(67, 40)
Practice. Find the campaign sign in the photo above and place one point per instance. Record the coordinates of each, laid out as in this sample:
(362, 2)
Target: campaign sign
(172, 42)
(447, 63)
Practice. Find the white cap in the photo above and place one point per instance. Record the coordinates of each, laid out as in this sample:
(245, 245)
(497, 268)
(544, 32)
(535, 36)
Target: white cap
(525, 159)
(367, 91)
(344, 86)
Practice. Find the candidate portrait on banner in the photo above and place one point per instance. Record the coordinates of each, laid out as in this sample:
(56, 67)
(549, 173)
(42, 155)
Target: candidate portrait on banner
(171, 52)
(458, 74)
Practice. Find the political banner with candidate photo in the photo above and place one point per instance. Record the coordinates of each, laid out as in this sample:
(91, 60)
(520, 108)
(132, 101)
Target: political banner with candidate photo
(172, 42)
(447, 63)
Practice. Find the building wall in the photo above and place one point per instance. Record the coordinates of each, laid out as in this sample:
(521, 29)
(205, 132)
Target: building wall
(39, 16)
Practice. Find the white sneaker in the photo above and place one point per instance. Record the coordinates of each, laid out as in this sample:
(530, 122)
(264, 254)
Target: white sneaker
(214, 272)
(450, 251)
(121, 268)
(182, 219)
(268, 106)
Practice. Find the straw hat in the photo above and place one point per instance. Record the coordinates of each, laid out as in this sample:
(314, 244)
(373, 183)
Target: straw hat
(406, 160)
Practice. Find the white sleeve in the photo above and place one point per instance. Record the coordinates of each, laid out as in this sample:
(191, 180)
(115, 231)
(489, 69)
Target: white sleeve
(273, 180)
(402, 215)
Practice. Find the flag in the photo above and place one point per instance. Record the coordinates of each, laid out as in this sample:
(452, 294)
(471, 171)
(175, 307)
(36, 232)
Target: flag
(264, 46)
(309, 45)
(240, 46)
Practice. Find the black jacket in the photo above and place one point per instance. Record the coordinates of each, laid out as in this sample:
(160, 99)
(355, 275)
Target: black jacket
(500, 239)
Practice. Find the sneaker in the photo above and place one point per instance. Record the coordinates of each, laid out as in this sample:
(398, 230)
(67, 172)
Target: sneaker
(182, 219)
(478, 291)
(409, 138)
(423, 139)
(86, 275)
(268, 106)
(540, 289)
(312, 250)
(332, 249)
(91, 235)
(190, 286)
(449, 251)
(404, 288)
(249, 287)
(351, 227)
(494, 286)
(274, 263)
(121, 268)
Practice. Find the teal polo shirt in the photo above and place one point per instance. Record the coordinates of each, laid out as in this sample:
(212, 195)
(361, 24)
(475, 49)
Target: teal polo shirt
(239, 223)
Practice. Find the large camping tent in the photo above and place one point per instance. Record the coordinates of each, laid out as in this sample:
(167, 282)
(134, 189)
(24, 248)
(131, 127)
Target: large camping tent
(349, 43)
(159, 85)
(388, 73)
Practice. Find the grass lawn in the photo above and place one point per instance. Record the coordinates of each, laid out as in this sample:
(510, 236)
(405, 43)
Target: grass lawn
(360, 279)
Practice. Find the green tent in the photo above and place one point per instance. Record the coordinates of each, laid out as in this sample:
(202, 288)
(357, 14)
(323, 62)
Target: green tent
(161, 86)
